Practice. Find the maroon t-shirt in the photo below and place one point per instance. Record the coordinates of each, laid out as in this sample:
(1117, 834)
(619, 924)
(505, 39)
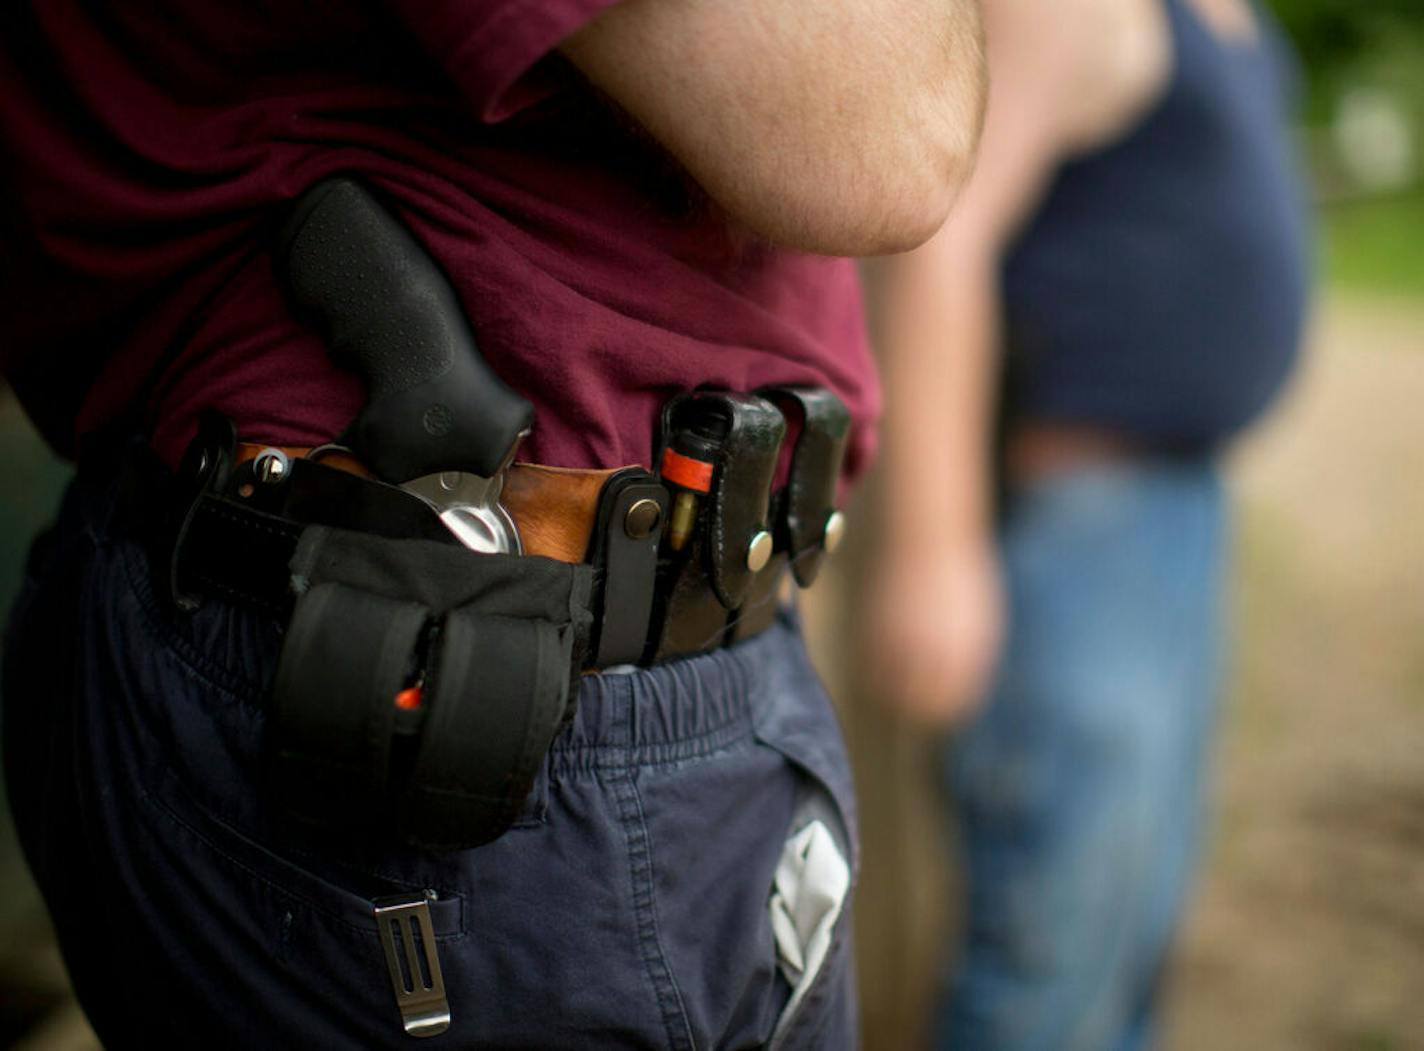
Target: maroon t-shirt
(150, 148)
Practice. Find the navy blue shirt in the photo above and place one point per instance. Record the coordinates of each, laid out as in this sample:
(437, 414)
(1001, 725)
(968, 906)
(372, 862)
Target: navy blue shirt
(1161, 289)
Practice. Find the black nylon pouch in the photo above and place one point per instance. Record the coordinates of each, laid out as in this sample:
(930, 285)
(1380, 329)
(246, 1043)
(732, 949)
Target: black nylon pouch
(506, 637)
(346, 654)
(490, 723)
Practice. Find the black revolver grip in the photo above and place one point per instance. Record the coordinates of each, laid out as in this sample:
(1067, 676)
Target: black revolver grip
(388, 312)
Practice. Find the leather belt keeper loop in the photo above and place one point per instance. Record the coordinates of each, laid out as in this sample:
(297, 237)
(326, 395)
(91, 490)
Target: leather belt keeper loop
(627, 534)
(803, 512)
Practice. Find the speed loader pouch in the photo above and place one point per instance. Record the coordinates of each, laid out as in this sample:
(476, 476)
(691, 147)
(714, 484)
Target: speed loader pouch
(419, 687)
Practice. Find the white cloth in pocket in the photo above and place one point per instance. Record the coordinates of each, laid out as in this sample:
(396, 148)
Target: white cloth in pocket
(812, 881)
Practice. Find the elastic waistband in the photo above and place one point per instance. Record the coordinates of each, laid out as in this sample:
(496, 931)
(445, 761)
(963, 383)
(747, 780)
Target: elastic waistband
(681, 709)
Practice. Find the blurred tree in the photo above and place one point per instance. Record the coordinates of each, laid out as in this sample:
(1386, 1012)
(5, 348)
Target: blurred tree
(1331, 32)
(1336, 37)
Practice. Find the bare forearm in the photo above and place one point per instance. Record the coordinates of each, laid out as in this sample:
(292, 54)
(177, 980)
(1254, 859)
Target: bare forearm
(842, 126)
(934, 608)
(939, 330)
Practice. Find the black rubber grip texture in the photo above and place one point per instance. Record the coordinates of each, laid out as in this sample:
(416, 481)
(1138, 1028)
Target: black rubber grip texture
(388, 312)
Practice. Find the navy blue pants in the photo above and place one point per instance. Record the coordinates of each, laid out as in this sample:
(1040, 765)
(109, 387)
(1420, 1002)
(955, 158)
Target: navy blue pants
(627, 908)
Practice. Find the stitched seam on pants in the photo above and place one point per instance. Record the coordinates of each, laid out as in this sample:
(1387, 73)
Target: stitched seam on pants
(640, 870)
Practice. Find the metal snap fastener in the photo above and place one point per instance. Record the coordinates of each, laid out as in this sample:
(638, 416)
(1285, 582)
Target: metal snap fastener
(759, 551)
(270, 466)
(835, 531)
(642, 518)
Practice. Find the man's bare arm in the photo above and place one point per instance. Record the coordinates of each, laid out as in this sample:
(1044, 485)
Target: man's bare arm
(836, 126)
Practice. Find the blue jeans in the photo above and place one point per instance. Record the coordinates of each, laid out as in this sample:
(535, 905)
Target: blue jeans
(627, 908)
(1079, 787)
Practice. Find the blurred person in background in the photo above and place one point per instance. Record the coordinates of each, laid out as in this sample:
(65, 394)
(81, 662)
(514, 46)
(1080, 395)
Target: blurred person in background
(1120, 291)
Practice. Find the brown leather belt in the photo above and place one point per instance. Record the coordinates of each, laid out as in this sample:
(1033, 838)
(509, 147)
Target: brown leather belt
(553, 507)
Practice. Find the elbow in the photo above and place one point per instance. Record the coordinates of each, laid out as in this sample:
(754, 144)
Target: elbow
(924, 172)
(844, 128)
(903, 217)
(865, 201)
(914, 207)
(882, 187)
(849, 224)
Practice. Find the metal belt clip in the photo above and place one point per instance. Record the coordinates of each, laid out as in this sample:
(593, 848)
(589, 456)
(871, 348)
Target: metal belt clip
(408, 937)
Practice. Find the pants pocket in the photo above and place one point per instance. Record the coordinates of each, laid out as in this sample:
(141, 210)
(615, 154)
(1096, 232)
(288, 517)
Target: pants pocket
(302, 954)
(810, 905)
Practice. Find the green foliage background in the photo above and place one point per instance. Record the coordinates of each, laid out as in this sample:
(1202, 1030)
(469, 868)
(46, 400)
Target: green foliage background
(1336, 38)
(1370, 244)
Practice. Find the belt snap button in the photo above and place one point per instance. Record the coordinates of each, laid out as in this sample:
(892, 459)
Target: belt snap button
(641, 519)
(759, 551)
